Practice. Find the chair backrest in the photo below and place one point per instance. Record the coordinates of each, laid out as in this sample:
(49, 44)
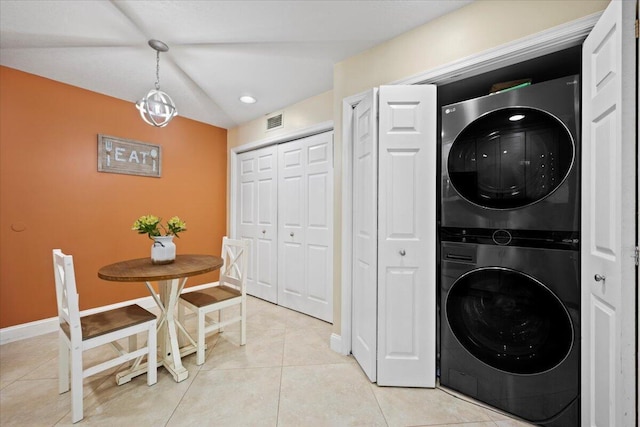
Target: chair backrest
(67, 296)
(234, 270)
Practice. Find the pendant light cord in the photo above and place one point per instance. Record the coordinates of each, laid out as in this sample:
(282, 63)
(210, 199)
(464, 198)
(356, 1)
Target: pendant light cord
(157, 70)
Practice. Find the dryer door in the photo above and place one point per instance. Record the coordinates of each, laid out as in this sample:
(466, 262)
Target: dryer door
(510, 158)
(509, 320)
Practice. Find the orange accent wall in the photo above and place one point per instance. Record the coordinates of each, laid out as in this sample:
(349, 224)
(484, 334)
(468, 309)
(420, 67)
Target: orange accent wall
(52, 196)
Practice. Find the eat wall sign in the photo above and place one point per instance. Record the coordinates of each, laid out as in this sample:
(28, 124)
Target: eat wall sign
(119, 155)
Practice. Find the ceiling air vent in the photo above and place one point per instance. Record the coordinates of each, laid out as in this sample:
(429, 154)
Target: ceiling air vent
(275, 122)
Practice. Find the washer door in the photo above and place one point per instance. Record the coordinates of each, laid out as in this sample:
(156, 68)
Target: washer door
(509, 320)
(510, 158)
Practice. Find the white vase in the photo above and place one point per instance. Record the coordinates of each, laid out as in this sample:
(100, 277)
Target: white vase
(163, 250)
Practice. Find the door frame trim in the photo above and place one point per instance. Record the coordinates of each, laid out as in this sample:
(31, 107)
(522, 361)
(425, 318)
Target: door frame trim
(548, 41)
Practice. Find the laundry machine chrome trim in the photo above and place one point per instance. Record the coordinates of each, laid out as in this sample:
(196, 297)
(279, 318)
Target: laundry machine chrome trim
(574, 152)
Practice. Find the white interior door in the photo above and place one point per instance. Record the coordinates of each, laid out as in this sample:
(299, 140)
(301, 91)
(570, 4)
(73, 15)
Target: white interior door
(365, 235)
(257, 211)
(407, 236)
(305, 228)
(609, 220)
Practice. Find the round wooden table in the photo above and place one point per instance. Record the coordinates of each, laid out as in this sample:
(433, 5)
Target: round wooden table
(171, 279)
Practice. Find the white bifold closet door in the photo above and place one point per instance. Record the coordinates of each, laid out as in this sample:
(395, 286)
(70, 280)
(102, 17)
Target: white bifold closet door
(394, 236)
(609, 215)
(407, 236)
(257, 213)
(364, 325)
(305, 225)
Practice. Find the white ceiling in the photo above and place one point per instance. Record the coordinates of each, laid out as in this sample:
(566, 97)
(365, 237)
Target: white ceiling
(280, 52)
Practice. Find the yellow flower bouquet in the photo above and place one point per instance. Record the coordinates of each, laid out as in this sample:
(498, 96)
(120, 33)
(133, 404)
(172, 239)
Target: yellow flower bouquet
(151, 226)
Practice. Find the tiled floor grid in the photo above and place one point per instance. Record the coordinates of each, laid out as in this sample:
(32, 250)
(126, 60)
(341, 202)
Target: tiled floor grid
(286, 375)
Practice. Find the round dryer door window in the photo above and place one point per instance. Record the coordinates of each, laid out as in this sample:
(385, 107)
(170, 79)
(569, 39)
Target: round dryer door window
(509, 321)
(510, 158)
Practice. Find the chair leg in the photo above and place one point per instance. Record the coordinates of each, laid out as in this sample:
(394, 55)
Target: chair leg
(76, 385)
(133, 342)
(152, 356)
(243, 323)
(201, 335)
(181, 315)
(63, 364)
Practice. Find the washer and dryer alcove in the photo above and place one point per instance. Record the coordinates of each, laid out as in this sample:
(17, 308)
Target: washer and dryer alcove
(509, 224)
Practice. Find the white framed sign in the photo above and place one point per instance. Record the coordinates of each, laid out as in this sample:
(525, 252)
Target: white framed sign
(126, 156)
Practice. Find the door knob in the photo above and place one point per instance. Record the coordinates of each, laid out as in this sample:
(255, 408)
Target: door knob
(402, 252)
(599, 278)
(291, 234)
(264, 231)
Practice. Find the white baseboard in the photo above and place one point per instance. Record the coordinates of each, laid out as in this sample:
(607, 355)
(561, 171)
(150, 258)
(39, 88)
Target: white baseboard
(45, 326)
(335, 343)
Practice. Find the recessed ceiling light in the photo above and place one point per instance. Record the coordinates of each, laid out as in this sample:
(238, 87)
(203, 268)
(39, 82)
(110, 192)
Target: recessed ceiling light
(247, 99)
(516, 117)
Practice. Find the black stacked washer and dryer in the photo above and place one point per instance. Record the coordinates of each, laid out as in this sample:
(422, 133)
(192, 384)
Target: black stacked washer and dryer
(510, 261)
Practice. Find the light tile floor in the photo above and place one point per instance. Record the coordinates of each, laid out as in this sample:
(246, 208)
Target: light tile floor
(286, 375)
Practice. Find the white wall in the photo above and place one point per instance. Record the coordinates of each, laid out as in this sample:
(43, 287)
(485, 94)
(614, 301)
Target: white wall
(304, 114)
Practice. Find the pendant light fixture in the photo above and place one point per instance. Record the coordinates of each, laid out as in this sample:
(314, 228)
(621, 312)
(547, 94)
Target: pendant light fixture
(157, 108)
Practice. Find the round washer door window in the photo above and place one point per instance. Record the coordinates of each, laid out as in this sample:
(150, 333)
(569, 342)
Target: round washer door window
(509, 321)
(510, 158)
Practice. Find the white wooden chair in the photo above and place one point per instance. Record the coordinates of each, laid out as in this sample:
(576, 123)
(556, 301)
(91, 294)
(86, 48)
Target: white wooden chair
(78, 334)
(228, 292)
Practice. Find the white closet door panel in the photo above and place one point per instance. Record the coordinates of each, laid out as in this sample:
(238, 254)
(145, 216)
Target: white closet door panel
(609, 177)
(266, 199)
(292, 277)
(267, 228)
(401, 211)
(318, 217)
(305, 205)
(265, 263)
(365, 241)
(319, 154)
(247, 170)
(291, 190)
(247, 167)
(245, 234)
(246, 203)
(247, 164)
(402, 319)
(319, 194)
(267, 182)
(407, 236)
(318, 247)
(257, 210)
(246, 227)
(317, 270)
(291, 156)
(291, 262)
(319, 226)
(267, 160)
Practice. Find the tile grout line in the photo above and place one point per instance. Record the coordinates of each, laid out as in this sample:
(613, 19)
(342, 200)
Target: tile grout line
(372, 388)
(284, 344)
(183, 395)
(279, 397)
